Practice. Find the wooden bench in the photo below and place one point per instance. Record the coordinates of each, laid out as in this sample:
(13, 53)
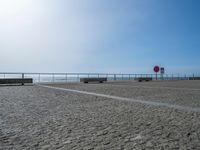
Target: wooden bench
(140, 79)
(194, 78)
(21, 81)
(86, 80)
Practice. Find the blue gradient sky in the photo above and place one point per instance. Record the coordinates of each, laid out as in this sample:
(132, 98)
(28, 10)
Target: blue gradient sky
(115, 36)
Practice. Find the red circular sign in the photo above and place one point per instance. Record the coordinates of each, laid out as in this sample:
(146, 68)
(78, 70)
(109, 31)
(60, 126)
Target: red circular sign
(156, 69)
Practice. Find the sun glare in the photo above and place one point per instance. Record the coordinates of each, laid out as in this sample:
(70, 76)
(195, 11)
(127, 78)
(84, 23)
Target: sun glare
(15, 12)
(12, 6)
(13, 9)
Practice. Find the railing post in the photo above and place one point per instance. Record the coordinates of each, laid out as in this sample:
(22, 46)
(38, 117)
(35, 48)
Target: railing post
(115, 77)
(53, 77)
(66, 77)
(39, 77)
(22, 78)
(77, 77)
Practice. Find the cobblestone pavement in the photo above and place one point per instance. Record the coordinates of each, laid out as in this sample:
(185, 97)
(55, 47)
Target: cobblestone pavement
(33, 117)
(184, 93)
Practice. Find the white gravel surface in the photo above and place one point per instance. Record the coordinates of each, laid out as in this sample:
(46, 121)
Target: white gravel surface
(33, 117)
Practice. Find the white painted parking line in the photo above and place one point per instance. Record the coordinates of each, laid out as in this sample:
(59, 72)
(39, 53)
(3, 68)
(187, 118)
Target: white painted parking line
(158, 104)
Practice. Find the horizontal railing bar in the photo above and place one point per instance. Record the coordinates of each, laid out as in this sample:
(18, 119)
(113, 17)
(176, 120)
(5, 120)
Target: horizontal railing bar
(106, 74)
(36, 73)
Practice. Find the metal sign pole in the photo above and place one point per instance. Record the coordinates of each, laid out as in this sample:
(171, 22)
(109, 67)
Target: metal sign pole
(156, 76)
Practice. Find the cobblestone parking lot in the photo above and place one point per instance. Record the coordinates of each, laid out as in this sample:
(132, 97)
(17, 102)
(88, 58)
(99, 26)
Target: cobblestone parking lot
(114, 115)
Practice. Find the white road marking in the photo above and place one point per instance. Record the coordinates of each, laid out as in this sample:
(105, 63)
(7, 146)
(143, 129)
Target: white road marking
(158, 87)
(158, 104)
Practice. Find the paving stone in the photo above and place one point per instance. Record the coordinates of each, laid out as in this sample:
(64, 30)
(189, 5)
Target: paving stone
(33, 117)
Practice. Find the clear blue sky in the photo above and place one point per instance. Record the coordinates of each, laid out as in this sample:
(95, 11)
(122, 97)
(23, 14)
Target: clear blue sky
(115, 36)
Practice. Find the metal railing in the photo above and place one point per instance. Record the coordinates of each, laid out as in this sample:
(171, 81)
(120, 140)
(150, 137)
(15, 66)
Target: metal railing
(75, 77)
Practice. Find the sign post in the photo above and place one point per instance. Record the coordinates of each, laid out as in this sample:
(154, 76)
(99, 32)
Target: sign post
(156, 70)
(162, 72)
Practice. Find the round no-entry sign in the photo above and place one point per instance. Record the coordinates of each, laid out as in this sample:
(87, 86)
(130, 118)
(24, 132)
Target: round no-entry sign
(156, 69)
